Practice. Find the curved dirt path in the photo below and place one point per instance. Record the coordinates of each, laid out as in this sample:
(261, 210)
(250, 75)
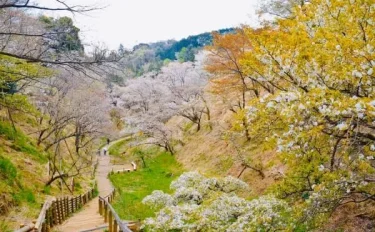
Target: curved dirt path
(89, 217)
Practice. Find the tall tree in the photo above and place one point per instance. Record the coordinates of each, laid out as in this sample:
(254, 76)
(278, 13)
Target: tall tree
(319, 62)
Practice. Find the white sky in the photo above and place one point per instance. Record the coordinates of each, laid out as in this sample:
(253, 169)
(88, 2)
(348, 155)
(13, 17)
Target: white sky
(136, 21)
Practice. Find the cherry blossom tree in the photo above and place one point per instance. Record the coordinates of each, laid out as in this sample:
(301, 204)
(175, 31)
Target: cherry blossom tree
(151, 100)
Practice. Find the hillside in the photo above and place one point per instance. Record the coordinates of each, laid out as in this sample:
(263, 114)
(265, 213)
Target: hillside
(212, 145)
(24, 173)
(247, 129)
(144, 58)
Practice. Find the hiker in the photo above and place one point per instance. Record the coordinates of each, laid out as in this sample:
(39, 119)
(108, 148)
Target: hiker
(108, 140)
(99, 152)
(105, 151)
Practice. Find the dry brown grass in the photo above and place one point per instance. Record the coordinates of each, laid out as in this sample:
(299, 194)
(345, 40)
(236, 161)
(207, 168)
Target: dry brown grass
(352, 218)
(208, 152)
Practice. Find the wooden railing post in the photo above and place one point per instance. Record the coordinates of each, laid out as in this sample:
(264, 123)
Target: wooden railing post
(110, 220)
(60, 210)
(80, 201)
(51, 216)
(75, 204)
(71, 205)
(100, 206)
(114, 226)
(105, 212)
(66, 207)
(55, 213)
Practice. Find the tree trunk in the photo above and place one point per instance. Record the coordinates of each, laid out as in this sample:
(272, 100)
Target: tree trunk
(53, 179)
(40, 137)
(143, 161)
(247, 135)
(242, 171)
(12, 121)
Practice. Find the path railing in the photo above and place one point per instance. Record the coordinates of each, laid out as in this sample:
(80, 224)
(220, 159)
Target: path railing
(134, 166)
(55, 212)
(115, 224)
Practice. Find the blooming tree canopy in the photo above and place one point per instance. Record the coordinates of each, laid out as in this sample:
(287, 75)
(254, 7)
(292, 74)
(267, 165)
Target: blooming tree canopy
(211, 204)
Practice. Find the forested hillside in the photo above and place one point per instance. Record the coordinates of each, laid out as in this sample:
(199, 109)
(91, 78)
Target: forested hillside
(242, 129)
(285, 109)
(145, 58)
(50, 128)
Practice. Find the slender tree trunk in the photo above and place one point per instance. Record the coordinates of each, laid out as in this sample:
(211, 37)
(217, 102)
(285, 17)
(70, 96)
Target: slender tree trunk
(247, 135)
(53, 179)
(198, 126)
(143, 161)
(39, 141)
(12, 121)
(242, 171)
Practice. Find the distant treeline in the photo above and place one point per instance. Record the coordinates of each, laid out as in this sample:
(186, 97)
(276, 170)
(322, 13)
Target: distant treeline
(151, 57)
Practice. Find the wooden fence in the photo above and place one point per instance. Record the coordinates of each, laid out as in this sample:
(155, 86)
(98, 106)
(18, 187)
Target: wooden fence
(115, 224)
(134, 165)
(56, 212)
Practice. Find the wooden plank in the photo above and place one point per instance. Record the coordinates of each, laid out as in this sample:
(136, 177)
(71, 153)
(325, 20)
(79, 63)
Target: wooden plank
(134, 166)
(25, 228)
(42, 216)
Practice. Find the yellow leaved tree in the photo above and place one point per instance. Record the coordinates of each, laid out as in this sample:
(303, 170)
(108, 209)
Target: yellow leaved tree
(316, 106)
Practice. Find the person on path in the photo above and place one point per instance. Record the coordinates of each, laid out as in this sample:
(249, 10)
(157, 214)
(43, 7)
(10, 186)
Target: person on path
(105, 151)
(108, 141)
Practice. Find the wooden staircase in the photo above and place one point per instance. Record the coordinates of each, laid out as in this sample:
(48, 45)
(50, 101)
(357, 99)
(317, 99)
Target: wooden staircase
(95, 215)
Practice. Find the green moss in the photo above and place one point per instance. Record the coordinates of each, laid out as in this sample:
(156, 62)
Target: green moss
(161, 169)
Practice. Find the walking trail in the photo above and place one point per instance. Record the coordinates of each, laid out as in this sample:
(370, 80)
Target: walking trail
(89, 218)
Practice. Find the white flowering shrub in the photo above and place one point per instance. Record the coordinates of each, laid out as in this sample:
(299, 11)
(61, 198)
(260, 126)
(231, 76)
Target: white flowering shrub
(222, 212)
(211, 204)
(265, 214)
(158, 199)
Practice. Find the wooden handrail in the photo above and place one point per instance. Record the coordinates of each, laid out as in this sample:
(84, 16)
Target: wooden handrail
(54, 212)
(42, 216)
(113, 215)
(26, 228)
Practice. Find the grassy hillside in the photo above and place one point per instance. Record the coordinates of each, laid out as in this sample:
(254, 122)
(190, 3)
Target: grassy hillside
(161, 168)
(22, 168)
(23, 174)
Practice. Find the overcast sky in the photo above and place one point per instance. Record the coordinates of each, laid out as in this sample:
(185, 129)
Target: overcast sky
(136, 21)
